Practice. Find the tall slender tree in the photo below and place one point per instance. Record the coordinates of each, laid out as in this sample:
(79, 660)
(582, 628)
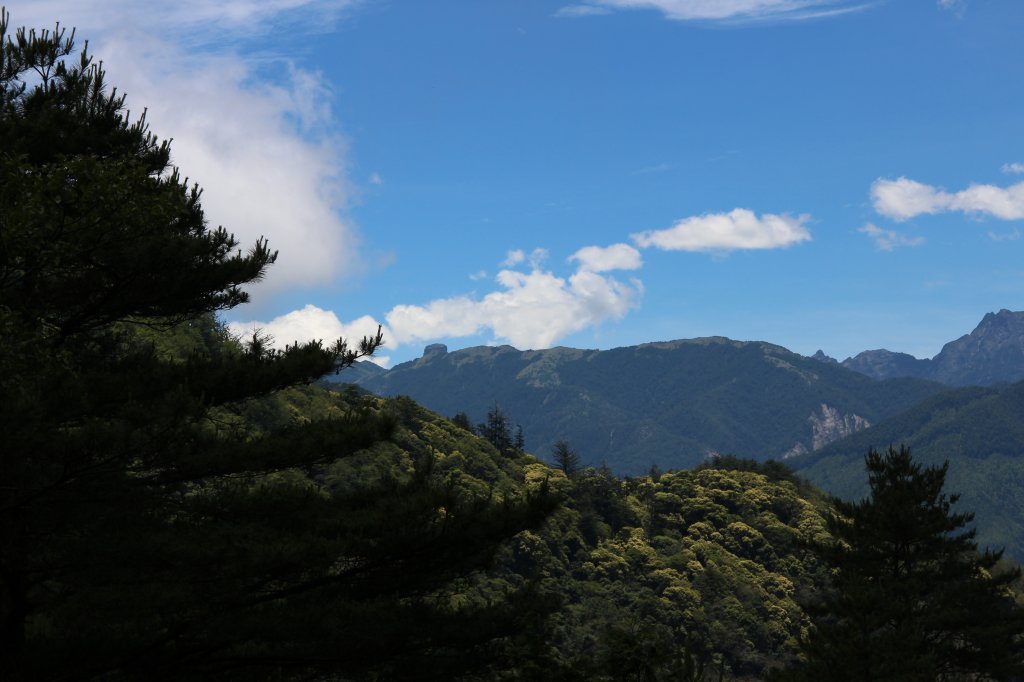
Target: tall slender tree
(911, 597)
(147, 530)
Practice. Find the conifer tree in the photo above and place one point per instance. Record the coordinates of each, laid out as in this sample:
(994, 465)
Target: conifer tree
(147, 530)
(566, 458)
(911, 597)
(497, 430)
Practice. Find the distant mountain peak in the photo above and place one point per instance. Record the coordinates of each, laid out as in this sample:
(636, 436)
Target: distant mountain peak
(435, 349)
(821, 357)
(993, 353)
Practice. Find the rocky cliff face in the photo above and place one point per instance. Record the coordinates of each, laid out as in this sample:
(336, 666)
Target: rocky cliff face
(828, 424)
(993, 353)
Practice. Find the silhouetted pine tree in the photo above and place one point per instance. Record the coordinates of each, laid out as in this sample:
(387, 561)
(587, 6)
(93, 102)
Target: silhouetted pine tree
(911, 597)
(145, 533)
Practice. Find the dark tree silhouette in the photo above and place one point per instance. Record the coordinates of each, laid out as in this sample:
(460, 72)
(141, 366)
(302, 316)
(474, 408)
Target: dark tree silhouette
(147, 530)
(911, 598)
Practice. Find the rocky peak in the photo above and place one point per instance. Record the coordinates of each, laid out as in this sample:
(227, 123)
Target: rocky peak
(992, 353)
(821, 357)
(435, 349)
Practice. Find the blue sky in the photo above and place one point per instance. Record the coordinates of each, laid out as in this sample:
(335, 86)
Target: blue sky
(818, 174)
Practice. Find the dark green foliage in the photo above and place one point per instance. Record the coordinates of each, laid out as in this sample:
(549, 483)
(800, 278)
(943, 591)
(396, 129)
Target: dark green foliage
(166, 511)
(911, 598)
(497, 431)
(565, 458)
(665, 403)
(461, 419)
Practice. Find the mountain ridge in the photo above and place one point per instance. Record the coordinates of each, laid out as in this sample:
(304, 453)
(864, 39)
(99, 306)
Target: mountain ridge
(992, 353)
(670, 403)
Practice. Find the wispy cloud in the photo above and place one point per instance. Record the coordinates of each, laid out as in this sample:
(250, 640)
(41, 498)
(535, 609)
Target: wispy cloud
(902, 199)
(1014, 167)
(889, 240)
(254, 130)
(657, 168)
(958, 7)
(737, 229)
(582, 11)
(722, 10)
(1011, 236)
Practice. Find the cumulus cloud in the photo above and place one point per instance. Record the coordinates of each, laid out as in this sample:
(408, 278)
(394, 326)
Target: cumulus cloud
(312, 324)
(902, 199)
(605, 258)
(531, 310)
(721, 10)
(737, 229)
(889, 240)
(253, 130)
(1015, 167)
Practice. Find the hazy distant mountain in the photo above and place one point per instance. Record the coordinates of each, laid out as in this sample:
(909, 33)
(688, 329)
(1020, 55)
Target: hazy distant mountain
(979, 430)
(670, 403)
(993, 353)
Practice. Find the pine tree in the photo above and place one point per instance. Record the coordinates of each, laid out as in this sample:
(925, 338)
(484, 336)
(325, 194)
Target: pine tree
(911, 597)
(148, 530)
(565, 458)
(496, 430)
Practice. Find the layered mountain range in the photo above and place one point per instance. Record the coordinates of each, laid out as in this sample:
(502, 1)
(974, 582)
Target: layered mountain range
(993, 353)
(675, 403)
(671, 404)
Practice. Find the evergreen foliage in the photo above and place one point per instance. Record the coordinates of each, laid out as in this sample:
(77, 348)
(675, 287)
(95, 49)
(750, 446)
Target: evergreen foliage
(498, 431)
(565, 458)
(911, 597)
(164, 511)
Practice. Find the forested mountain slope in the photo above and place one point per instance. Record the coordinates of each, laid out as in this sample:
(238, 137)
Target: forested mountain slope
(703, 566)
(979, 430)
(670, 404)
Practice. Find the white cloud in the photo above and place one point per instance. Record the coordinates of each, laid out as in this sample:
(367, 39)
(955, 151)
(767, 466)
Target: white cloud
(1015, 167)
(532, 310)
(311, 324)
(254, 131)
(903, 198)
(517, 256)
(721, 10)
(888, 240)
(513, 258)
(602, 259)
(737, 229)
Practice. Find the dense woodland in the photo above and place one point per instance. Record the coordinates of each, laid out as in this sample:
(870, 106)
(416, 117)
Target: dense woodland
(176, 503)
